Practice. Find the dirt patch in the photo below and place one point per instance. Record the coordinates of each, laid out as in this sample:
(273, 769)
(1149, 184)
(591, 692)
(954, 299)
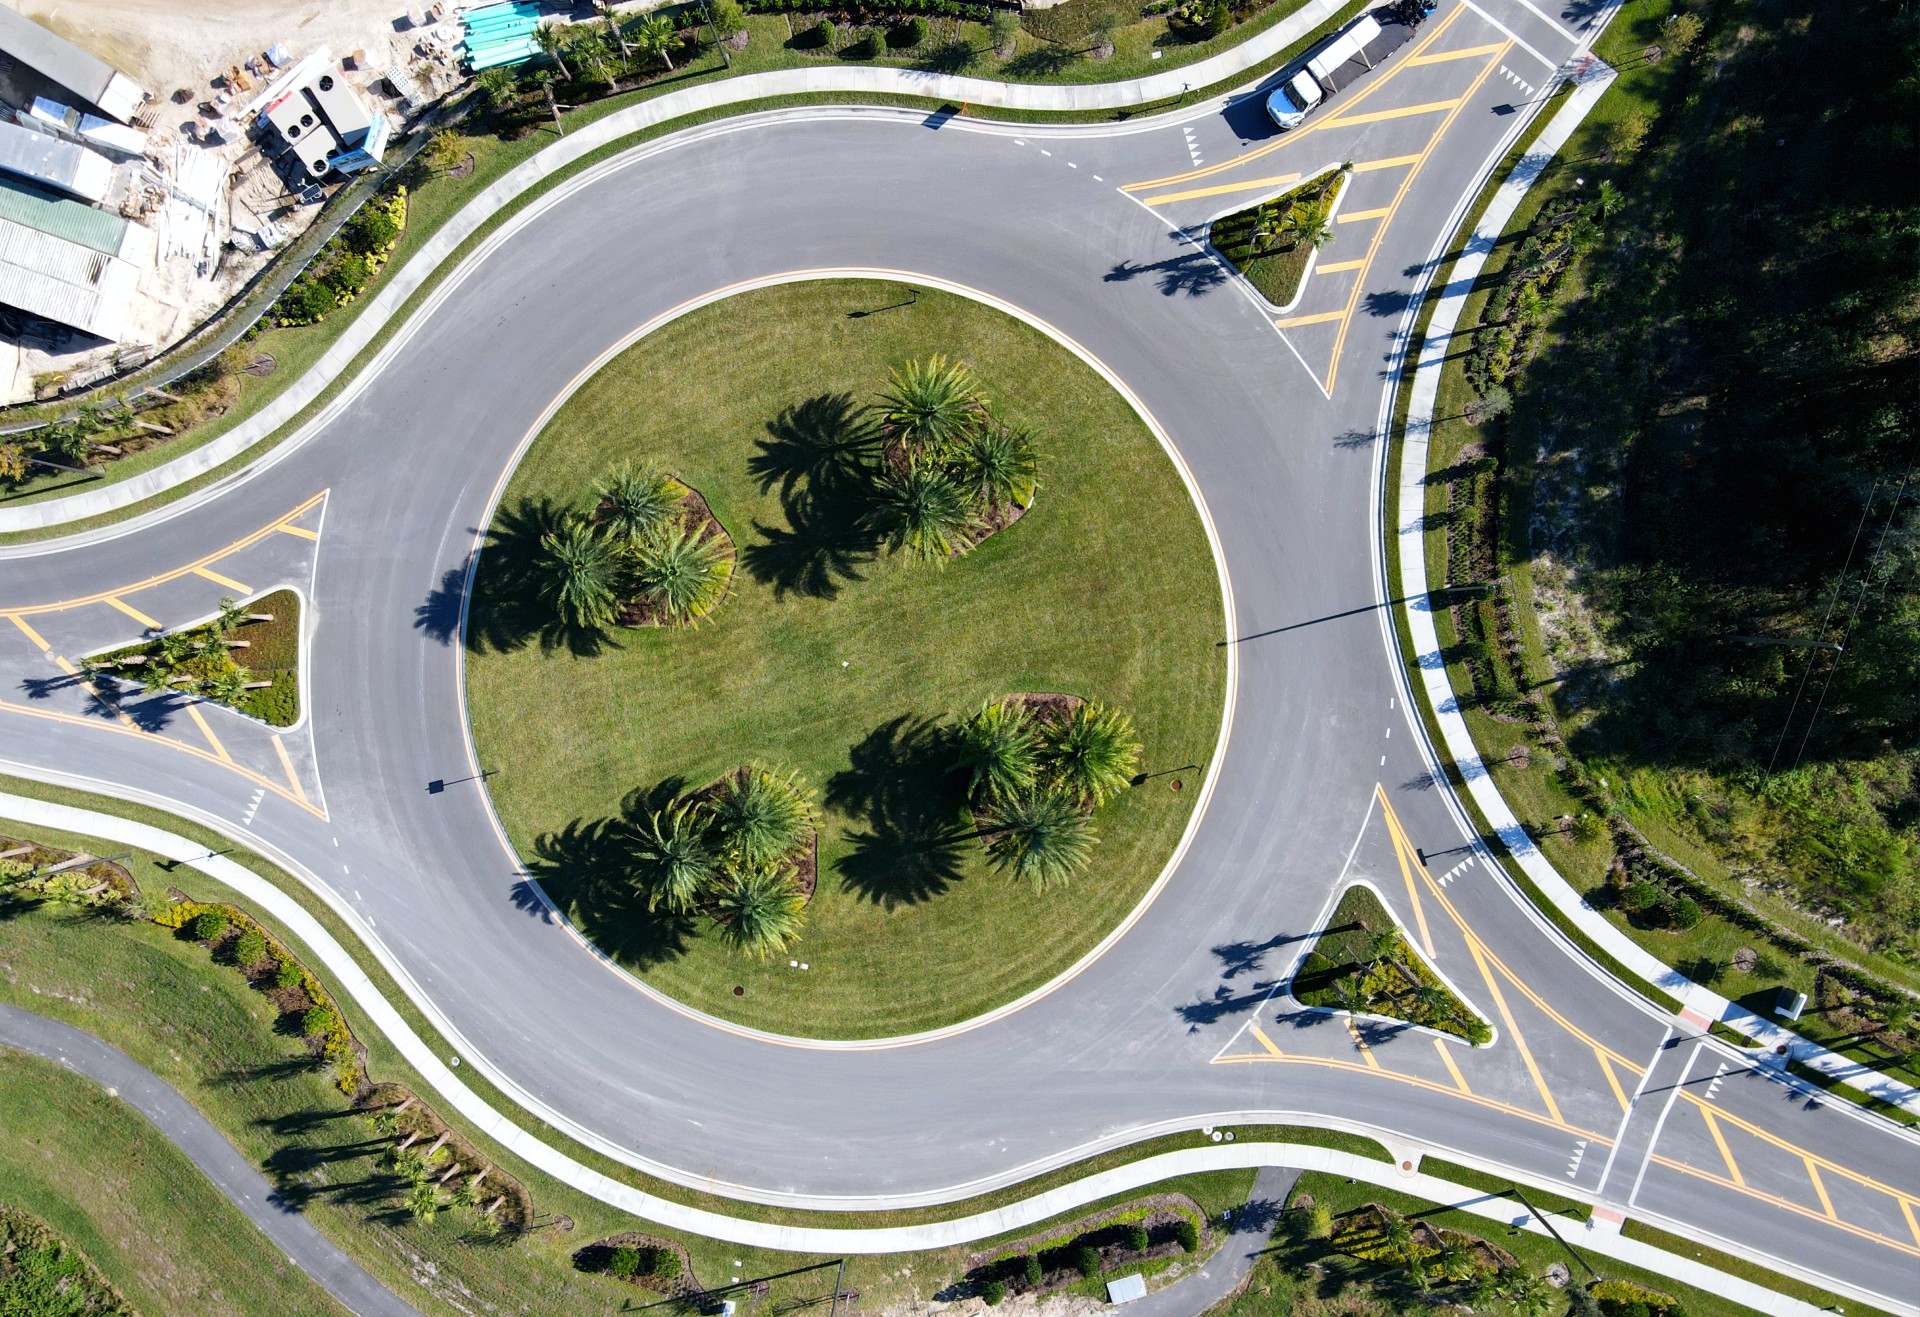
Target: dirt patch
(263, 363)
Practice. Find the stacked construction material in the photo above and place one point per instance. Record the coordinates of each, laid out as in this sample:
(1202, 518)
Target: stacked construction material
(501, 34)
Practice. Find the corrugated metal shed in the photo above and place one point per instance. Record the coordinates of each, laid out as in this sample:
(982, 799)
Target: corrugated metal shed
(53, 56)
(64, 281)
(45, 159)
(65, 218)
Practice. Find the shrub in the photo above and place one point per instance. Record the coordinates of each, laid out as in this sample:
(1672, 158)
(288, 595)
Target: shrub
(1642, 897)
(306, 302)
(209, 925)
(1479, 1032)
(372, 231)
(666, 1264)
(1186, 1234)
(992, 1292)
(624, 1261)
(909, 34)
(250, 948)
(728, 19)
(318, 1021)
(1031, 1269)
(1086, 1260)
(1683, 912)
(823, 34)
(1137, 1238)
(1319, 1222)
(348, 274)
(870, 46)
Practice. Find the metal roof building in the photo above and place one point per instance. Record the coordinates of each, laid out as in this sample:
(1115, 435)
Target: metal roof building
(51, 162)
(53, 56)
(68, 262)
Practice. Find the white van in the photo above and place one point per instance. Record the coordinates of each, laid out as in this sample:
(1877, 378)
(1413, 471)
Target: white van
(1293, 98)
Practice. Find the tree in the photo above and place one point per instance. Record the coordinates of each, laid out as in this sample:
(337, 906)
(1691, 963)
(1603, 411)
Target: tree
(423, 1202)
(759, 911)
(1090, 754)
(1044, 837)
(497, 88)
(1397, 1234)
(677, 852)
(1104, 25)
(921, 510)
(228, 620)
(580, 573)
(999, 751)
(655, 35)
(1608, 199)
(1626, 134)
(760, 818)
(1219, 17)
(1003, 29)
(1384, 944)
(1453, 1262)
(1346, 991)
(729, 20)
(552, 40)
(1309, 226)
(1680, 32)
(613, 26)
(682, 570)
(634, 502)
(13, 463)
(228, 686)
(998, 465)
(1529, 1294)
(929, 405)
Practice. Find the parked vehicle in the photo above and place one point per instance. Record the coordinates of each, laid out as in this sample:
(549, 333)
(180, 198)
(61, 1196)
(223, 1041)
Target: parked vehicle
(1291, 101)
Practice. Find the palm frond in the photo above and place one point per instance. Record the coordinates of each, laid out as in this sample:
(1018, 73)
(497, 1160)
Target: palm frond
(580, 573)
(999, 751)
(682, 569)
(759, 912)
(1090, 754)
(1044, 838)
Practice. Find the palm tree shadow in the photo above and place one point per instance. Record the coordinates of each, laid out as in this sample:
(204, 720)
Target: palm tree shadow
(820, 454)
(587, 869)
(508, 609)
(899, 782)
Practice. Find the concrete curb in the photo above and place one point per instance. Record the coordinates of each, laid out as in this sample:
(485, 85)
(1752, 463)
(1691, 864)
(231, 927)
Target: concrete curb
(403, 283)
(1699, 1005)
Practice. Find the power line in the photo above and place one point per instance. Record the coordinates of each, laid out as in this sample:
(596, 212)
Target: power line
(1838, 585)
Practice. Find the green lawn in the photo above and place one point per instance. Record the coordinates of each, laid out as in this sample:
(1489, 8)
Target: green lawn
(843, 666)
(97, 1174)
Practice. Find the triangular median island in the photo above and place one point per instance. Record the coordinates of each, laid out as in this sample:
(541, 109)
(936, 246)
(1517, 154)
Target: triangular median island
(1362, 963)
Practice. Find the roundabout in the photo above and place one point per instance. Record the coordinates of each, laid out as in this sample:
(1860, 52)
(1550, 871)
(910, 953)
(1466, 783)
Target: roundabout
(1324, 777)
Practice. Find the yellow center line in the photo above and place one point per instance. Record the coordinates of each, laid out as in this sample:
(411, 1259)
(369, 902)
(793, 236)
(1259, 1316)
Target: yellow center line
(30, 633)
(1338, 267)
(218, 579)
(1266, 1042)
(1294, 322)
(301, 531)
(1355, 216)
(1443, 56)
(1826, 1203)
(1784, 1204)
(1306, 130)
(1513, 1030)
(131, 612)
(1726, 1153)
(293, 778)
(1278, 180)
(1446, 1054)
(1404, 112)
(1796, 1150)
(1366, 1053)
(1403, 851)
(193, 711)
(174, 575)
(1387, 162)
(1606, 1068)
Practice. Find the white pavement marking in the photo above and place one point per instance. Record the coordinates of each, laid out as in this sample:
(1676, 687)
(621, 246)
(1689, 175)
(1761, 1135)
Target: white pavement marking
(1627, 1115)
(1673, 1094)
(1517, 80)
(1511, 34)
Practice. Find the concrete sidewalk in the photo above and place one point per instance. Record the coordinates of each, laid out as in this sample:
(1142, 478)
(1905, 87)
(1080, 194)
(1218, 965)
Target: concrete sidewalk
(186, 1129)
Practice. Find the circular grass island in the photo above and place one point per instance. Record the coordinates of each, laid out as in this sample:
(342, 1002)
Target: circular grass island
(834, 657)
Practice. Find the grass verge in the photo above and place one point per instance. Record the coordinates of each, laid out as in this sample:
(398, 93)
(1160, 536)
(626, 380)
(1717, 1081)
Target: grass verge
(1270, 242)
(1363, 961)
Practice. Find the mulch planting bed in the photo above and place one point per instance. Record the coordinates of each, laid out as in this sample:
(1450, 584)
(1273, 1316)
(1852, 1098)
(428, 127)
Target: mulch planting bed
(420, 1129)
(1105, 1233)
(596, 1256)
(694, 509)
(804, 859)
(105, 874)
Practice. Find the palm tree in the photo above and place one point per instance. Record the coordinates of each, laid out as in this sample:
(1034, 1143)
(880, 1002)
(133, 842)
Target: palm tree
(230, 618)
(176, 647)
(613, 24)
(1530, 1295)
(1346, 991)
(580, 573)
(759, 911)
(678, 855)
(423, 1203)
(1398, 1236)
(655, 35)
(229, 687)
(552, 42)
(1608, 199)
(929, 405)
(1091, 753)
(923, 511)
(999, 751)
(1043, 837)
(998, 465)
(760, 818)
(682, 570)
(633, 502)
(1453, 1262)
(1309, 225)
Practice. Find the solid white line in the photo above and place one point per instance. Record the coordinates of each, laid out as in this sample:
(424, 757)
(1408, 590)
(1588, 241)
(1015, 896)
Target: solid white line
(1515, 36)
(1627, 1115)
(1546, 18)
(1661, 1124)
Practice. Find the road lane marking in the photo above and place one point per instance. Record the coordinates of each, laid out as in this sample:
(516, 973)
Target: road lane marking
(1620, 1134)
(1787, 1205)
(131, 612)
(293, 778)
(1311, 126)
(1403, 851)
(1443, 56)
(1278, 180)
(193, 711)
(1389, 162)
(1509, 33)
(1366, 1053)
(1266, 1042)
(301, 531)
(1606, 1068)
(1865, 1181)
(1726, 1153)
(1906, 1210)
(1381, 116)
(30, 633)
(1338, 267)
(1546, 18)
(231, 584)
(1446, 1054)
(1294, 322)
(1513, 1029)
(1659, 1125)
(1355, 216)
(1826, 1203)
(91, 689)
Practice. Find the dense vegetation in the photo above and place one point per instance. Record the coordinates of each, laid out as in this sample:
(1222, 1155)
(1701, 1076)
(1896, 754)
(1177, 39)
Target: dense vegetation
(201, 660)
(1710, 363)
(42, 1277)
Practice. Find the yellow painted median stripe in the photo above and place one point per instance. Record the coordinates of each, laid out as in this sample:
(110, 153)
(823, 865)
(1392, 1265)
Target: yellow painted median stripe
(1355, 216)
(1405, 852)
(1726, 1153)
(1606, 1068)
(132, 612)
(301, 531)
(1266, 1042)
(1446, 1054)
(29, 632)
(193, 711)
(1906, 1210)
(94, 691)
(1661, 1159)
(1404, 112)
(1278, 180)
(1338, 267)
(1292, 322)
(1445, 55)
(1513, 1031)
(293, 778)
(1394, 161)
(1366, 1053)
(218, 579)
(1826, 1203)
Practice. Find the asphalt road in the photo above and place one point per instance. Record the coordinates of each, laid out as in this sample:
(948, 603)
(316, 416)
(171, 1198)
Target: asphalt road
(181, 1123)
(1324, 777)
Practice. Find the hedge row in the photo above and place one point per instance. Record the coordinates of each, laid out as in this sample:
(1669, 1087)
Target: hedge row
(978, 13)
(348, 263)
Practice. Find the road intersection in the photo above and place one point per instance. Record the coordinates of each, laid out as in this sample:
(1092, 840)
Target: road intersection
(1324, 778)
